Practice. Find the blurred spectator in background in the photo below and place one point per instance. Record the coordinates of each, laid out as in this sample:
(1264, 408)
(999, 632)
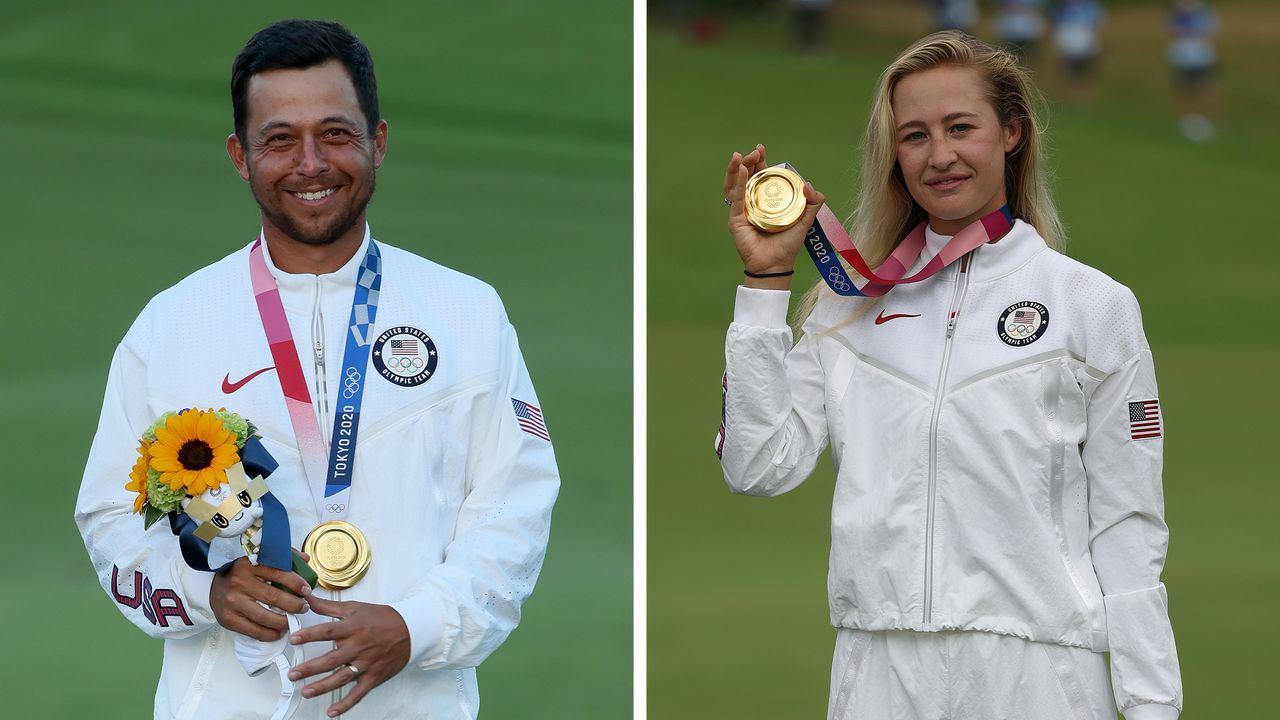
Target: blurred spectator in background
(1192, 25)
(810, 16)
(959, 15)
(1077, 26)
(1019, 25)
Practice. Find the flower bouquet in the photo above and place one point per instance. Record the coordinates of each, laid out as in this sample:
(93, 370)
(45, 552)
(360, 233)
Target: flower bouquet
(205, 470)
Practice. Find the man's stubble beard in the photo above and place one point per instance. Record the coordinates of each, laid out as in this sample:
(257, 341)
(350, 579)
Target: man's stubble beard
(325, 235)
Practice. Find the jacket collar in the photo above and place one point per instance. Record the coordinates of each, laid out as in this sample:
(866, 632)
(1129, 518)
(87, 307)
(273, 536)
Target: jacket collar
(997, 259)
(302, 286)
(993, 260)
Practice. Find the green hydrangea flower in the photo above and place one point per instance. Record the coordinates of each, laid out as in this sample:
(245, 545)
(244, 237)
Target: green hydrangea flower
(150, 434)
(160, 497)
(235, 424)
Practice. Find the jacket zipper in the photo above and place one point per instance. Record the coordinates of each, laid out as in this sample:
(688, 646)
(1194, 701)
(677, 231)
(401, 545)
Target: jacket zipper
(957, 299)
(322, 405)
(317, 346)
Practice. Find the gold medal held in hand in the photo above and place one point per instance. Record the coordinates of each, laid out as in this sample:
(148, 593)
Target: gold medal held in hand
(774, 199)
(339, 554)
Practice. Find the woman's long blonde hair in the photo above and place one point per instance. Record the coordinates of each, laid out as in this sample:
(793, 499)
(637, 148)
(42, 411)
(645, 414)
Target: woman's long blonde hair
(886, 211)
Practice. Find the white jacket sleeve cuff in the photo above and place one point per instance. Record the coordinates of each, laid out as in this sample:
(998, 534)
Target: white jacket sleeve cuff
(761, 308)
(1144, 659)
(1152, 711)
(424, 618)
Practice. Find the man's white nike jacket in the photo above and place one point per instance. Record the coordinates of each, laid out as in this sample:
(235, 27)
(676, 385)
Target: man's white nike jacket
(998, 439)
(453, 495)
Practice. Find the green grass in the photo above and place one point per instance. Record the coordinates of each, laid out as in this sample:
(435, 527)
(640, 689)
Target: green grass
(738, 623)
(509, 159)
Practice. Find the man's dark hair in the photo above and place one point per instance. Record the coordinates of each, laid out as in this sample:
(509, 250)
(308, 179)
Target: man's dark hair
(298, 45)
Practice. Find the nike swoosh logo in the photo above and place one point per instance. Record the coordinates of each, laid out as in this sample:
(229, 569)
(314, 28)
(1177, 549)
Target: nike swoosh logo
(882, 318)
(229, 387)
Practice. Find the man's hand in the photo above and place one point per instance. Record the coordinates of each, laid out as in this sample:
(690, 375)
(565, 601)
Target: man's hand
(235, 595)
(373, 638)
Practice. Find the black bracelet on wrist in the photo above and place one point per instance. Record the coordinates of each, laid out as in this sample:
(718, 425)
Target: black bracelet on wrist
(750, 274)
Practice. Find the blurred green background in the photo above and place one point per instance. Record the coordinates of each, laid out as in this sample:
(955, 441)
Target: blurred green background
(738, 624)
(509, 159)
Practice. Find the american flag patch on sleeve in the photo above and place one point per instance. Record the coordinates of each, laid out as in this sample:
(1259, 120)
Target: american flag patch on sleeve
(530, 419)
(1144, 419)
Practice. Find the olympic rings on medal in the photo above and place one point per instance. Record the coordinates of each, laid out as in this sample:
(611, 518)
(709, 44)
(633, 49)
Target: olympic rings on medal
(335, 507)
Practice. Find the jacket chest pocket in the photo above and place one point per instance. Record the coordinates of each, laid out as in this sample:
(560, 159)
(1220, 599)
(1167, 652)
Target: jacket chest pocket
(407, 479)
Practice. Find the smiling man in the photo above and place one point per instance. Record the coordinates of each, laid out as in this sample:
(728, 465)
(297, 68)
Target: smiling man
(391, 391)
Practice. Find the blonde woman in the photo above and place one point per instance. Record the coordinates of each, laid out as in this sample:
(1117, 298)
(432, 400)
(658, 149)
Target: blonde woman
(997, 524)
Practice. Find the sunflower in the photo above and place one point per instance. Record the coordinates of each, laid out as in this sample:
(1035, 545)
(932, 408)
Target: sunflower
(138, 476)
(193, 450)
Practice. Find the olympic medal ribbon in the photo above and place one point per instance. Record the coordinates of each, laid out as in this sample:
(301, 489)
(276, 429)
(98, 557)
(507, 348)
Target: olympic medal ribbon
(827, 237)
(331, 483)
(355, 364)
(293, 383)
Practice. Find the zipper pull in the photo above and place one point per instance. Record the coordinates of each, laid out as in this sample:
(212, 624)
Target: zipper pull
(963, 269)
(317, 328)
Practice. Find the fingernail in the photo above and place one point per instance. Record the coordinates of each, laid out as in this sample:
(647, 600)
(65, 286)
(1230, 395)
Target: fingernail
(306, 608)
(333, 713)
(308, 692)
(295, 675)
(296, 639)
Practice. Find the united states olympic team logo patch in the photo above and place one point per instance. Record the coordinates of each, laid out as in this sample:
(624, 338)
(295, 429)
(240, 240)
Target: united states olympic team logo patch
(405, 356)
(1022, 323)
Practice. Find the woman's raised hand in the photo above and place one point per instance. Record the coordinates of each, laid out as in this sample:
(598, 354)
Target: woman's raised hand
(764, 252)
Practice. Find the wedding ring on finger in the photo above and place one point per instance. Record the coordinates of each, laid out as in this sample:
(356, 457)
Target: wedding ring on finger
(354, 670)
(728, 202)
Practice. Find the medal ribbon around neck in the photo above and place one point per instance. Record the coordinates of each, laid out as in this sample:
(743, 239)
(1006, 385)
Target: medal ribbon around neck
(827, 234)
(331, 484)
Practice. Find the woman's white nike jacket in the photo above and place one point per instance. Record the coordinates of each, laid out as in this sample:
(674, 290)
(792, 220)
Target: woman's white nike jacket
(998, 443)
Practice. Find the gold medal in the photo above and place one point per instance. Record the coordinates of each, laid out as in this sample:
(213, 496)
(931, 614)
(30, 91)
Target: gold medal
(774, 199)
(339, 554)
